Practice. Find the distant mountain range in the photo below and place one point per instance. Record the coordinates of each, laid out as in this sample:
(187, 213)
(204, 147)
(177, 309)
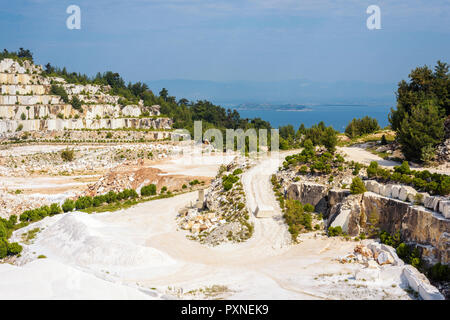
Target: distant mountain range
(288, 92)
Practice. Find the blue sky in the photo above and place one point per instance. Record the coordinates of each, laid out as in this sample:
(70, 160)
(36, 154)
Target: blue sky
(226, 40)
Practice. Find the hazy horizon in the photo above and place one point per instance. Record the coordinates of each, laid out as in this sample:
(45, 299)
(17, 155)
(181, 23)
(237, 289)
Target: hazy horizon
(300, 92)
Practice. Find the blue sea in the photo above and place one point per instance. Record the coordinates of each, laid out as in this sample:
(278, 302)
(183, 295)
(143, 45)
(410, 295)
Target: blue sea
(337, 116)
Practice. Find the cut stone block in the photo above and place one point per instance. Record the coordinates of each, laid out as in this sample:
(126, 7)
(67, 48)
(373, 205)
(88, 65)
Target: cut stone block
(263, 211)
(395, 191)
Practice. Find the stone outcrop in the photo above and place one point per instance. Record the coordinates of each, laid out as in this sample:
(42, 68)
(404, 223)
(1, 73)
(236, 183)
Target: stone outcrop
(220, 215)
(429, 230)
(312, 193)
(318, 195)
(10, 126)
(409, 194)
(379, 257)
(416, 224)
(12, 66)
(419, 283)
(347, 215)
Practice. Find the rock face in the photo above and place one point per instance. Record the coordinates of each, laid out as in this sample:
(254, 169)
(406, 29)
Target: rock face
(306, 192)
(416, 224)
(347, 215)
(409, 194)
(27, 104)
(77, 124)
(429, 230)
(337, 196)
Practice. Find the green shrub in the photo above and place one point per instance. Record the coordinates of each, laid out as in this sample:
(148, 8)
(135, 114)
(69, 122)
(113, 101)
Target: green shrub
(98, 200)
(308, 207)
(14, 249)
(444, 186)
(393, 241)
(403, 168)
(149, 190)
(83, 202)
(303, 170)
(67, 206)
(439, 272)
(67, 155)
(34, 215)
(3, 248)
(13, 220)
(237, 171)
(59, 91)
(357, 186)
(419, 183)
(383, 140)
(127, 194)
(228, 181)
(403, 251)
(334, 231)
(356, 169)
(227, 185)
(296, 218)
(396, 176)
(194, 182)
(358, 127)
(372, 169)
(3, 231)
(55, 209)
(24, 217)
(421, 130)
(76, 103)
(110, 197)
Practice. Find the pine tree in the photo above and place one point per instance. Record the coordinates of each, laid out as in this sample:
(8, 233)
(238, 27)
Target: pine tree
(420, 130)
(357, 186)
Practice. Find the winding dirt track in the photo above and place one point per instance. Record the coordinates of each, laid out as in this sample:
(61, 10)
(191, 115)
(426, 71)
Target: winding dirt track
(361, 155)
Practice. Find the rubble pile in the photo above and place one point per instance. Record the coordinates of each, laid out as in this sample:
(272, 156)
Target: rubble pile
(16, 204)
(86, 158)
(134, 175)
(378, 257)
(222, 216)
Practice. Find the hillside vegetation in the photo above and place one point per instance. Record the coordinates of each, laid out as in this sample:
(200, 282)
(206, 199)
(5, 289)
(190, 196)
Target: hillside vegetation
(423, 103)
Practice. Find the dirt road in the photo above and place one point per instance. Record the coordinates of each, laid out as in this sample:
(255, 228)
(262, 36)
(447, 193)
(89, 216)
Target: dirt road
(361, 155)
